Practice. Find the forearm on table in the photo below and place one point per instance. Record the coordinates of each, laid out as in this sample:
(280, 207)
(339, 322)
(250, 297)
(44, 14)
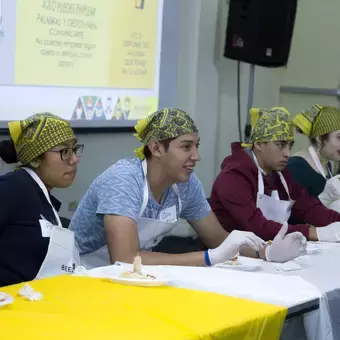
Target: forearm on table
(307, 230)
(317, 215)
(312, 234)
(188, 259)
(250, 252)
(196, 259)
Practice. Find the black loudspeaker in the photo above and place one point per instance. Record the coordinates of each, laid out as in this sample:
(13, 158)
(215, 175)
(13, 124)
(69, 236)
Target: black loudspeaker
(259, 32)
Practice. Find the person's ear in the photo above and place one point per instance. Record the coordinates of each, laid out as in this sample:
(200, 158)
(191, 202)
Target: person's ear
(258, 146)
(35, 163)
(156, 148)
(318, 142)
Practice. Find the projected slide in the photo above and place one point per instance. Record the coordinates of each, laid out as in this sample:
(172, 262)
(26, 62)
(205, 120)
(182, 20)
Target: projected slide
(83, 59)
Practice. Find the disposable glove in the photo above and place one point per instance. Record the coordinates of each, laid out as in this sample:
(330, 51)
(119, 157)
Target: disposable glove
(286, 247)
(232, 244)
(331, 191)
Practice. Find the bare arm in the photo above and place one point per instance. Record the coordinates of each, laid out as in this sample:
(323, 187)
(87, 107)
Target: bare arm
(209, 230)
(212, 234)
(123, 244)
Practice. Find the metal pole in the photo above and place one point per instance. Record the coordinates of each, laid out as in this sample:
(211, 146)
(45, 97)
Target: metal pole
(247, 131)
(310, 90)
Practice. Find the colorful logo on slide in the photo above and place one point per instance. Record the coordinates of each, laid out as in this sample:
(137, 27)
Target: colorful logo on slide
(79, 111)
(88, 108)
(89, 102)
(99, 113)
(117, 113)
(108, 108)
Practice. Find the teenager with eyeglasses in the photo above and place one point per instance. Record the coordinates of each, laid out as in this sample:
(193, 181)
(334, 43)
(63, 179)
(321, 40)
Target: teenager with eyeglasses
(33, 243)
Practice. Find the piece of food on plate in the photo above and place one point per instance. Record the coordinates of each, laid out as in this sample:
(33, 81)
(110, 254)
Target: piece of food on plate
(233, 262)
(269, 242)
(137, 264)
(137, 271)
(132, 275)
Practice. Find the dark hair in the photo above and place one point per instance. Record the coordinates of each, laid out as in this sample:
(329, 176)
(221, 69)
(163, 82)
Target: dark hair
(7, 152)
(165, 143)
(323, 139)
(313, 140)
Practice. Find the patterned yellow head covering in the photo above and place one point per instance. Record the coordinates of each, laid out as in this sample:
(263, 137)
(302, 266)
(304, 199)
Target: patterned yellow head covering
(270, 125)
(318, 120)
(37, 134)
(161, 125)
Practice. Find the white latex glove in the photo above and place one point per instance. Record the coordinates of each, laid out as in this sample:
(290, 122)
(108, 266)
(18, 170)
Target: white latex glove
(330, 233)
(231, 246)
(286, 247)
(331, 192)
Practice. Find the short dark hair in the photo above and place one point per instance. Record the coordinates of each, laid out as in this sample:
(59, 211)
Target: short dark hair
(165, 143)
(7, 151)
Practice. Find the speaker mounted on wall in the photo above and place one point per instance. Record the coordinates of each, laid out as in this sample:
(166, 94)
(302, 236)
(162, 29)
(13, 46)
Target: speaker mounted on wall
(260, 32)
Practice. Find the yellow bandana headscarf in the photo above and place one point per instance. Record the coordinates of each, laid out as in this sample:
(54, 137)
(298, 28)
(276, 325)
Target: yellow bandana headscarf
(318, 120)
(37, 134)
(161, 125)
(270, 125)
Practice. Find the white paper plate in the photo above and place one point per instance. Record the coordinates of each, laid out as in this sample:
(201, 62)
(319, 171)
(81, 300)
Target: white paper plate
(5, 299)
(139, 282)
(244, 263)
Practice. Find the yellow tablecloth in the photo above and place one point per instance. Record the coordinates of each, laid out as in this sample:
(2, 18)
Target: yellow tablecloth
(90, 308)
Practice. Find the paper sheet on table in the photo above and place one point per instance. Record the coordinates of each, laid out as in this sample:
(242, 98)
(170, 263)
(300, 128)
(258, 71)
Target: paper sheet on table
(286, 267)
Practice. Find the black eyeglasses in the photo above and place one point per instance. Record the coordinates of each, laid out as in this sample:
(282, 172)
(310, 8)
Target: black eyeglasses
(67, 153)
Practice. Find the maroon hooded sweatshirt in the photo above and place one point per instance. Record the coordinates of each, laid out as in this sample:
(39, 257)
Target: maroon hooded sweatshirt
(234, 193)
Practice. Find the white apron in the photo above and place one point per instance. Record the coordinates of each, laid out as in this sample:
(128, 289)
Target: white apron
(335, 205)
(62, 254)
(318, 164)
(150, 231)
(272, 207)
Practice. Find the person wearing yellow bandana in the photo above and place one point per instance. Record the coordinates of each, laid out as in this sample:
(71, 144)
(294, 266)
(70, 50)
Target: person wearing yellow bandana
(132, 205)
(312, 168)
(33, 243)
(255, 192)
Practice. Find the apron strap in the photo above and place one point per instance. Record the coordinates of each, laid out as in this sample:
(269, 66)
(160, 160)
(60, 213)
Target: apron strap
(260, 184)
(42, 186)
(146, 191)
(284, 183)
(175, 188)
(318, 164)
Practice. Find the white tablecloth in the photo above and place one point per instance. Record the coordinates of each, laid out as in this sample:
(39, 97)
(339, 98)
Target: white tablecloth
(322, 270)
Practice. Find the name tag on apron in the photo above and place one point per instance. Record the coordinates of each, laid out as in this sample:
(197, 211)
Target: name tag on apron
(168, 215)
(46, 228)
